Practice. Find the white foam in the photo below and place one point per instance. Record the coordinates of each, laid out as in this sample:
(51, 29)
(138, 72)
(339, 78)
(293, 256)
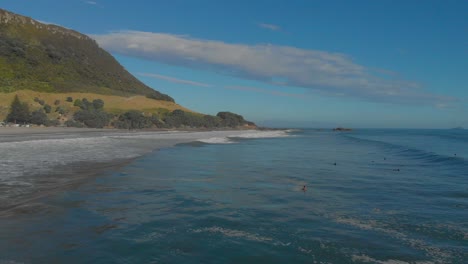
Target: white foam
(233, 233)
(216, 140)
(439, 254)
(303, 250)
(31, 156)
(40, 156)
(264, 134)
(244, 134)
(368, 259)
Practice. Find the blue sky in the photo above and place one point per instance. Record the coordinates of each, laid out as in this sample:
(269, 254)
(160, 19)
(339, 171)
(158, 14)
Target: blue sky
(382, 64)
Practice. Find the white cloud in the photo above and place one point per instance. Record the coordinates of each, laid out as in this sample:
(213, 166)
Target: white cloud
(91, 2)
(228, 87)
(174, 80)
(269, 26)
(264, 91)
(328, 73)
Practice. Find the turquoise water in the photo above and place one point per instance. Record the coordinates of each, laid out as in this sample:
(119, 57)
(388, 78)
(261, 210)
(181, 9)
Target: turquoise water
(394, 196)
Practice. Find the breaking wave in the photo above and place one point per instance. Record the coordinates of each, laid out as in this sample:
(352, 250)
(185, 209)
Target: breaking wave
(229, 139)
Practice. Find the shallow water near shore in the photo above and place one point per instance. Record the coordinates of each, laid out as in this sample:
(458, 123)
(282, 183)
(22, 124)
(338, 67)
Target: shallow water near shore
(373, 196)
(35, 162)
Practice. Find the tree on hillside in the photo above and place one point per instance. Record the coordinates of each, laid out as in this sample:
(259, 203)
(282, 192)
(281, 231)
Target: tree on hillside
(133, 119)
(19, 112)
(230, 119)
(47, 108)
(85, 104)
(175, 119)
(94, 119)
(157, 122)
(91, 113)
(78, 103)
(61, 110)
(212, 121)
(38, 117)
(98, 104)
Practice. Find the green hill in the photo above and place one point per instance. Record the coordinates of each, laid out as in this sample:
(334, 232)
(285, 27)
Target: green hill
(53, 76)
(48, 58)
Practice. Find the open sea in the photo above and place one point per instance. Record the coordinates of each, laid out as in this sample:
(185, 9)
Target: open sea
(372, 196)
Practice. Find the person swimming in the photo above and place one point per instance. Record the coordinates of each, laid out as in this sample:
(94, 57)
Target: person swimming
(304, 188)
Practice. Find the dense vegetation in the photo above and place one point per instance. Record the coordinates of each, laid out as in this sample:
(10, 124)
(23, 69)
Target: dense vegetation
(179, 119)
(50, 58)
(91, 114)
(20, 114)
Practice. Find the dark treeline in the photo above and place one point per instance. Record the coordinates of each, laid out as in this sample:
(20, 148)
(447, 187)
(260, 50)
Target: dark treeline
(179, 119)
(20, 114)
(92, 115)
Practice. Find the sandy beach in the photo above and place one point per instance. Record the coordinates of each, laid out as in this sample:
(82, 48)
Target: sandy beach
(10, 134)
(35, 130)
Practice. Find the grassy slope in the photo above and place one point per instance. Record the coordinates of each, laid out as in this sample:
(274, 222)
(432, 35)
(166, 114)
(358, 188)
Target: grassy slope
(49, 58)
(113, 104)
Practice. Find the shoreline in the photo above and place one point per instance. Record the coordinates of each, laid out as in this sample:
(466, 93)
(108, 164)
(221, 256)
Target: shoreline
(14, 134)
(40, 162)
(69, 176)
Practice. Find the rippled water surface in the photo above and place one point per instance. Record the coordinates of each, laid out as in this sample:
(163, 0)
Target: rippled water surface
(373, 196)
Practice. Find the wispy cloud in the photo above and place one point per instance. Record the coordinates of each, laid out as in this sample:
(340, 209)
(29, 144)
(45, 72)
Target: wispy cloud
(228, 87)
(264, 91)
(328, 73)
(174, 80)
(91, 2)
(269, 26)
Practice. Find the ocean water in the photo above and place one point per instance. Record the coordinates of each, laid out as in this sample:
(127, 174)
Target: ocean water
(33, 165)
(373, 196)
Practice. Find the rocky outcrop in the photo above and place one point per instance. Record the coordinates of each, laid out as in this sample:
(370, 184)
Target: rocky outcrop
(341, 129)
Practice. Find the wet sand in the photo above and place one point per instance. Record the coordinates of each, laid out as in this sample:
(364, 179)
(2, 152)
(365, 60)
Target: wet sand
(32, 130)
(13, 134)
